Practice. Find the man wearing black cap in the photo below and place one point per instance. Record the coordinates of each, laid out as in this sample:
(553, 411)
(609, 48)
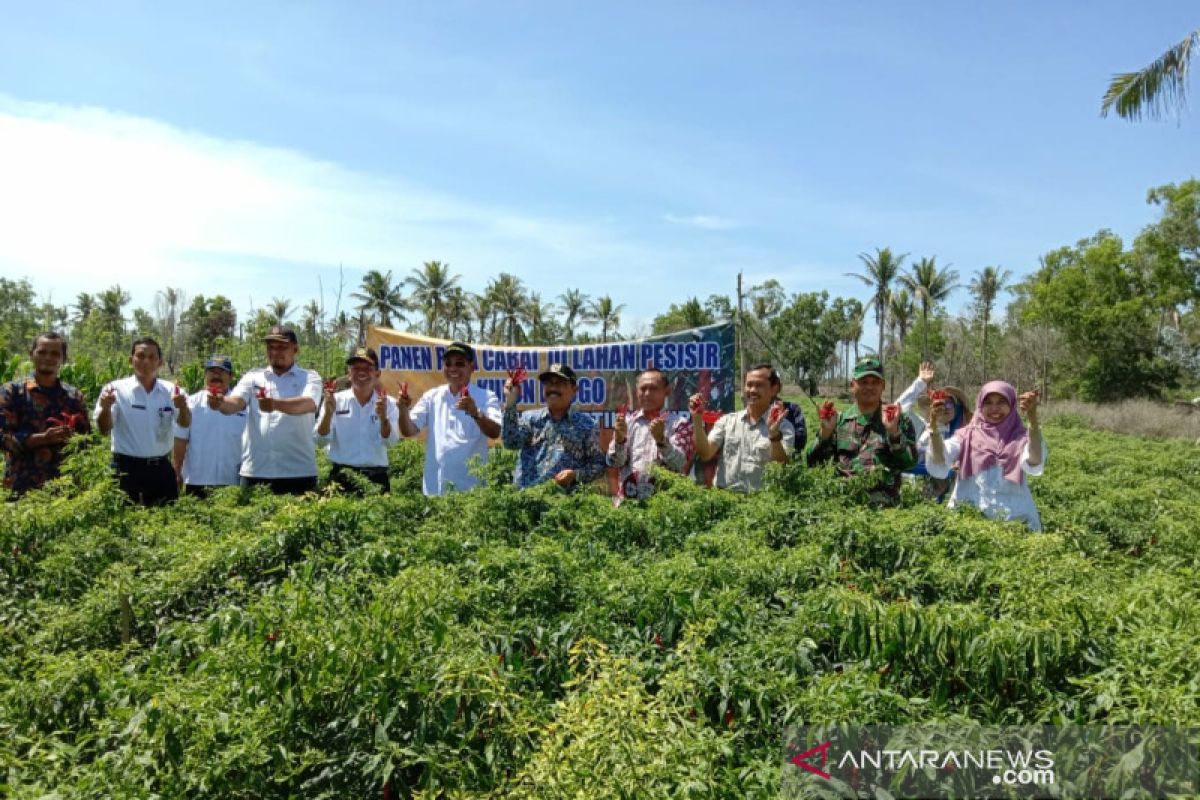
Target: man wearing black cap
(869, 435)
(556, 443)
(208, 454)
(358, 425)
(459, 417)
(282, 402)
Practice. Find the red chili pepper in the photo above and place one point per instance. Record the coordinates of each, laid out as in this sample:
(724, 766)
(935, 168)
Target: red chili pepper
(939, 395)
(331, 386)
(404, 391)
(697, 403)
(710, 417)
(517, 376)
(827, 410)
(729, 718)
(260, 392)
(776, 413)
(622, 410)
(890, 412)
(177, 392)
(658, 641)
(465, 391)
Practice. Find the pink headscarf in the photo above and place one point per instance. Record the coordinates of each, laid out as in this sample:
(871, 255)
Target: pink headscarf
(985, 444)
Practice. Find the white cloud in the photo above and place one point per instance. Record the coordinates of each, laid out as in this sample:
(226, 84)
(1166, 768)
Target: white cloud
(704, 221)
(93, 197)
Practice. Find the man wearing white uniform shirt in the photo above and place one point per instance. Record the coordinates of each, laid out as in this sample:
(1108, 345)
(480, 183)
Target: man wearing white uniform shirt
(209, 453)
(277, 450)
(358, 425)
(140, 412)
(460, 418)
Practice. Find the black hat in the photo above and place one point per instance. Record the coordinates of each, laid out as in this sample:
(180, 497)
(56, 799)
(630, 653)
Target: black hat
(279, 333)
(463, 349)
(557, 371)
(363, 354)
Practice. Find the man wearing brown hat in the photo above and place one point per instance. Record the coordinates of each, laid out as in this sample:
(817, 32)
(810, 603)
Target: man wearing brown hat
(459, 418)
(282, 400)
(869, 435)
(358, 425)
(556, 443)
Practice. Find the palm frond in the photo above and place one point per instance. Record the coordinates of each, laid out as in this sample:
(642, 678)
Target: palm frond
(1152, 91)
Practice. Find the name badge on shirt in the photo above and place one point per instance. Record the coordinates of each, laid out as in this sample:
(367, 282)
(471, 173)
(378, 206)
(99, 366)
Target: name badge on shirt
(343, 412)
(138, 407)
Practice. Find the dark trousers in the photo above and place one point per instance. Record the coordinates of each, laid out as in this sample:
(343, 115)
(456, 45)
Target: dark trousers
(147, 481)
(283, 485)
(376, 475)
(201, 490)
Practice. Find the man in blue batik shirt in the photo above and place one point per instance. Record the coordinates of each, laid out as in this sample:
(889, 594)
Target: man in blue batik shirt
(556, 443)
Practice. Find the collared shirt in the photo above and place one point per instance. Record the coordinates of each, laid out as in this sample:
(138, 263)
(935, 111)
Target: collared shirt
(860, 444)
(452, 437)
(640, 452)
(141, 421)
(746, 449)
(549, 446)
(353, 438)
(25, 409)
(279, 445)
(214, 452)
(989, 491)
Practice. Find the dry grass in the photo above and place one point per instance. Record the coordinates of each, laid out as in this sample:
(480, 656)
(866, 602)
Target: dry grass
(1136, 417)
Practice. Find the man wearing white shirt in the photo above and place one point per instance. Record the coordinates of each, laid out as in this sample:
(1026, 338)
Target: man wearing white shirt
(358, 425)
(140, 412)
(460, 418)
(209, 453)
(281, 399)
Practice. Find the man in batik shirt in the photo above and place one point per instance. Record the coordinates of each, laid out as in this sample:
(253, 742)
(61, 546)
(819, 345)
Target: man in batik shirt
(556, 443)
(649, 436)
(37, 417)
(869, 435)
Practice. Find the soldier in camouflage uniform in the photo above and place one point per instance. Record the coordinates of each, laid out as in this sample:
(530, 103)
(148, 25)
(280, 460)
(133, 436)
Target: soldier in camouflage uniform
(869, 435)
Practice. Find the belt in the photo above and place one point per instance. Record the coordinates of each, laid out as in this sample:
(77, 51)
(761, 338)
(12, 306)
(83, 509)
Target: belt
(121, 458)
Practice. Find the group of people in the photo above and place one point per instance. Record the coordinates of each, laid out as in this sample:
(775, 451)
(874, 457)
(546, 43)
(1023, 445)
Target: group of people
(261, 430)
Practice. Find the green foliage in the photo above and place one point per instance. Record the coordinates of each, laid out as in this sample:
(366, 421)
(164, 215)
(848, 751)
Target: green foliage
(530, 643)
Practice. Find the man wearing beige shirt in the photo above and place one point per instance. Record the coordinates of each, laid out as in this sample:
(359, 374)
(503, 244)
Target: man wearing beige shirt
(749, 439)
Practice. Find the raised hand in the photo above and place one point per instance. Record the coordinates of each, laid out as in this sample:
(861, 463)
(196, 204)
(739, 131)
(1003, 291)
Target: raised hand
(402, 398)
(380, 403)
(658, 428)
(620, 425)
(108, 397)
(178, 398)
(891, 419)
(696, 404)
(927, 371)
(774, 416)
(1028, 403)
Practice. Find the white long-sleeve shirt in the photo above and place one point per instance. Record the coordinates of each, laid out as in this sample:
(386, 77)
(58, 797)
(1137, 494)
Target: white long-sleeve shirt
(989, 491)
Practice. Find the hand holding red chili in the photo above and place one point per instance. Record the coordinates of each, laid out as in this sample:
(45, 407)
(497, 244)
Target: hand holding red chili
(891, 418)
(697, 404)
(402, 398)
(827, 410)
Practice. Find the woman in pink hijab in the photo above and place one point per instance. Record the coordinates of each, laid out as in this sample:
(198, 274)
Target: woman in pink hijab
(995, 453)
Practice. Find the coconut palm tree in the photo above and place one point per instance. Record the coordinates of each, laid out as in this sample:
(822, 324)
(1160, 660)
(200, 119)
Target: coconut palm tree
(881, 270)
(458, 314)
(1156, 89)
(986, 287)
(380, 299)
(110, 307)
(310, 323)
(930, 286)
(574, 304)
(277, 310)
(541, 320)
(431, 288)
(509, 304)
(900, 312)
(607, 315)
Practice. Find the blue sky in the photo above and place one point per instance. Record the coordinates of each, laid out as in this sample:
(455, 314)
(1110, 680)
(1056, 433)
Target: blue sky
(645, 150)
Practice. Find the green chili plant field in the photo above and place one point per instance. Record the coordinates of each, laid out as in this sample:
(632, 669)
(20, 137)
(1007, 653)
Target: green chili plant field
(533, 644)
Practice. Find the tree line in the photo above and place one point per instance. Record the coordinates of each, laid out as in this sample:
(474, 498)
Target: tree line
(1098, 320)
